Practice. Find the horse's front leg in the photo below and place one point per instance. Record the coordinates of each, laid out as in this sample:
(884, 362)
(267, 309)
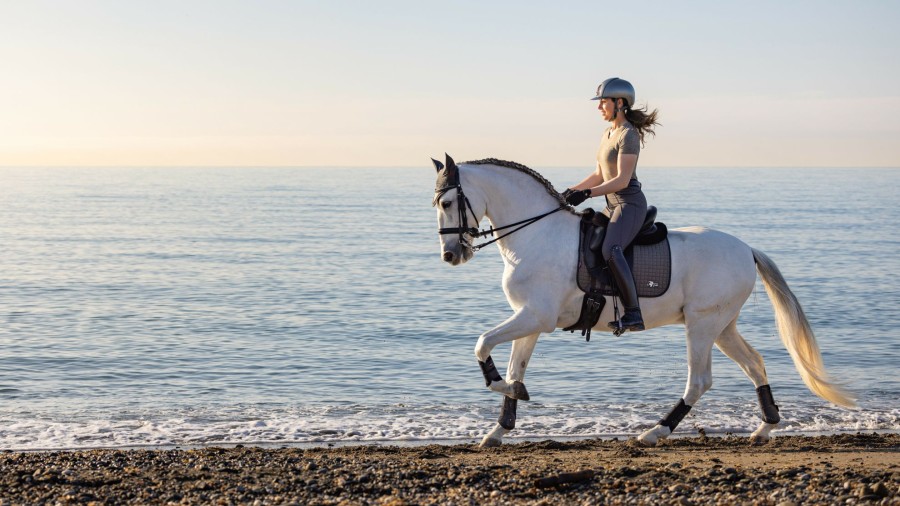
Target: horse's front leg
(515, 373)
(521, 324)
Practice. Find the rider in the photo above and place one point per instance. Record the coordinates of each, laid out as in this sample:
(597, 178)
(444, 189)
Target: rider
(615, 178)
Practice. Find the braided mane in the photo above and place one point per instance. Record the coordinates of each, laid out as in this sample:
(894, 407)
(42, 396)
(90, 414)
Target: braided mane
(531, 172)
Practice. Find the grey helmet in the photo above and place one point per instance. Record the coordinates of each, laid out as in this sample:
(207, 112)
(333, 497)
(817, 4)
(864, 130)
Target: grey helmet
(616, 88)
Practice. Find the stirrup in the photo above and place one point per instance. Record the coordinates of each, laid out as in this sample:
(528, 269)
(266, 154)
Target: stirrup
(619, 327)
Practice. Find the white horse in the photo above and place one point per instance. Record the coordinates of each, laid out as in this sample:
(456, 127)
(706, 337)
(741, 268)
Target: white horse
(713, 274)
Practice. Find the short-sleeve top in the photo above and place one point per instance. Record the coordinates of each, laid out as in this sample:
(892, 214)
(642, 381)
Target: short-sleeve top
(617, 140)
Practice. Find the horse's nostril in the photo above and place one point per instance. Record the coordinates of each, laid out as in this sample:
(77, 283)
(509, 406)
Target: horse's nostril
(448, 257)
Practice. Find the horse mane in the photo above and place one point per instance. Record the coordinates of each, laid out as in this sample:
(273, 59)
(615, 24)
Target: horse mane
(531, 172)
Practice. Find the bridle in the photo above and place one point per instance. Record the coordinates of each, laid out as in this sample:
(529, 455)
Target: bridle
(463, 216)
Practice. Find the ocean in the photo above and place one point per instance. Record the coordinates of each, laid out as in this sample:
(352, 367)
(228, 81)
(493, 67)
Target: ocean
(279, 306)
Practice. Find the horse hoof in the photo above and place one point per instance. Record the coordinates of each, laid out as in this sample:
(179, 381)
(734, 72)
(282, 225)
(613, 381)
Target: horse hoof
(489, 442)
(647, 440)
(519, 391)
(652, 436)
(757, 440)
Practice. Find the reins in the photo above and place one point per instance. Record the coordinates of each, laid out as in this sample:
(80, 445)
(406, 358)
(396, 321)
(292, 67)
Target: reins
(524, 224)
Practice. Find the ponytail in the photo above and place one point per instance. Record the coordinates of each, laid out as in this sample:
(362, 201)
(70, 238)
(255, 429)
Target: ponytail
(642, 121)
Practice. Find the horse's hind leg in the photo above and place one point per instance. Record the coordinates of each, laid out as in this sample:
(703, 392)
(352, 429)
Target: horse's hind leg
(701, 333)
(515, 374)
(733, 345)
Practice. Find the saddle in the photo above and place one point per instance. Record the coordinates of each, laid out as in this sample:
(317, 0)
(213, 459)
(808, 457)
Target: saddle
(648, 255)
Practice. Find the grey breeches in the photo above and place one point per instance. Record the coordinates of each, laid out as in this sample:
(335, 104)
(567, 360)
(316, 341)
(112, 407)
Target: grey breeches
(626, 215)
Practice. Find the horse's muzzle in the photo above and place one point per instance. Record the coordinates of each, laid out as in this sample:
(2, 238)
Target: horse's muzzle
(457, 255)
(454, 258)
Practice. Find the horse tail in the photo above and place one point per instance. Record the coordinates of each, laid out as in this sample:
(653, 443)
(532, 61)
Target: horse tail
(797, 335)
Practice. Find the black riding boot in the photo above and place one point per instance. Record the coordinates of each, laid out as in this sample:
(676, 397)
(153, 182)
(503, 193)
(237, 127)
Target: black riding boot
(632, 319)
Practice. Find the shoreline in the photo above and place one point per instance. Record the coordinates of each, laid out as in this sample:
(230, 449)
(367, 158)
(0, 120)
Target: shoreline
(412, 443)
(846, 468)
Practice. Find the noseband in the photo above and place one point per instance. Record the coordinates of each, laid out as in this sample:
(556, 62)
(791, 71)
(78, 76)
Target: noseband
(463, 216)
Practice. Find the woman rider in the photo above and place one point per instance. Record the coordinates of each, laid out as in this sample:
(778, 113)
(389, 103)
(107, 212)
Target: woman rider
(615, 178)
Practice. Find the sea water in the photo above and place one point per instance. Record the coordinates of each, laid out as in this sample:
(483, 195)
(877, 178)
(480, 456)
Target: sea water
(193, 306)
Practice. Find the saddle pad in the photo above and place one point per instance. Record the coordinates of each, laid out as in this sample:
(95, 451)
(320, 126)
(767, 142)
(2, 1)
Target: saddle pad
(651, 266)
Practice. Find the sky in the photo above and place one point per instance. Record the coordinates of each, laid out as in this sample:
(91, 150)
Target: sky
(393, 83)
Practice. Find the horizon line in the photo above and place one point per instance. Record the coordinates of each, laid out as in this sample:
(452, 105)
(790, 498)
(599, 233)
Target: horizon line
(194, 166)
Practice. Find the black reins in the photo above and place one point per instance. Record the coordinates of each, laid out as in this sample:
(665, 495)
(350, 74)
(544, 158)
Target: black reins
(463, 204)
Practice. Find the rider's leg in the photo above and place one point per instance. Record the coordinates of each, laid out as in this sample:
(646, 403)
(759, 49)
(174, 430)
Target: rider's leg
(624, 224)
(618, 266)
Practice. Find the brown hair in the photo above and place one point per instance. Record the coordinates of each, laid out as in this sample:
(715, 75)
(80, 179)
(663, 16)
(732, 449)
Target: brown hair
(641, 120)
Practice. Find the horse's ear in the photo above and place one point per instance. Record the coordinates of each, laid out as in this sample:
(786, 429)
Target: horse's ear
(438, 166)
(450, 162)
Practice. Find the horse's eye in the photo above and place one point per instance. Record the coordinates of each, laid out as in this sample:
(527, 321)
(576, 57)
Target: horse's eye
(446, 204)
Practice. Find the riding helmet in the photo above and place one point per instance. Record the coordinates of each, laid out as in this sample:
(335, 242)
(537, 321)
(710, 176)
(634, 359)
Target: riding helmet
(616, 88)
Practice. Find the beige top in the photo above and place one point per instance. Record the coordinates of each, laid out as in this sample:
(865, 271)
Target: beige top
(617, 140)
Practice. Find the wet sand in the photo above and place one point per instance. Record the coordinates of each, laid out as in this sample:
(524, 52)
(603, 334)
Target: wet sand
(839, 469)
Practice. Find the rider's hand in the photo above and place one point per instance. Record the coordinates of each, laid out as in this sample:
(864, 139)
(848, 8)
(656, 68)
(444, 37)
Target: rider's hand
(575, 197)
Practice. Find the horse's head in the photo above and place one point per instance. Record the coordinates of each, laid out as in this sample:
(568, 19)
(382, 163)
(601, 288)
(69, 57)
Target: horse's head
(454, 212)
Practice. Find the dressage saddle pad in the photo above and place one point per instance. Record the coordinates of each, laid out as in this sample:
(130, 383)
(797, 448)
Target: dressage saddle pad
(651, 265)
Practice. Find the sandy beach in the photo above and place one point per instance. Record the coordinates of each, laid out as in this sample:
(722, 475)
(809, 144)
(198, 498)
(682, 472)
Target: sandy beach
(845, 469)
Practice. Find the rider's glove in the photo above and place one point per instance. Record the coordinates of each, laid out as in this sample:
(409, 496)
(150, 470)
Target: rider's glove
(575, 197)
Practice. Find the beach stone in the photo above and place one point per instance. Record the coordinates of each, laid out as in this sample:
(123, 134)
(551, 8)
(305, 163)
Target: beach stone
(629, 472)
(275, 477)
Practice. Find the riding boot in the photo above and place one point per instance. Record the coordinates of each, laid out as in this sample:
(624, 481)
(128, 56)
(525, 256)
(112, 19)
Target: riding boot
(632, 319)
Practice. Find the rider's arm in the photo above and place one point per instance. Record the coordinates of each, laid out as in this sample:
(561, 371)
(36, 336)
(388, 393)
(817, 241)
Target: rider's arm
(594, 179)
(626, 164)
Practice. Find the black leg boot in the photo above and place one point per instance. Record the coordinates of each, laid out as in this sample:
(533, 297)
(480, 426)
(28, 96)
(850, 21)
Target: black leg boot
(632, 319)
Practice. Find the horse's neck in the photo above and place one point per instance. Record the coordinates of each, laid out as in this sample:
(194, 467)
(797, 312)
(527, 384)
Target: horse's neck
(511, 196)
